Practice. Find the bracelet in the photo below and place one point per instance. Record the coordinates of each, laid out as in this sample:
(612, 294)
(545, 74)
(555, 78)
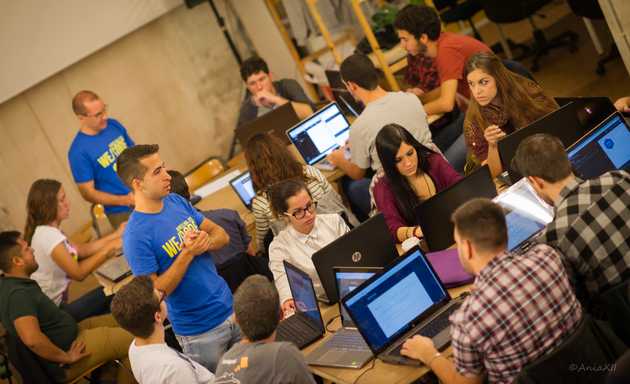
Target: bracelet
(437, 354)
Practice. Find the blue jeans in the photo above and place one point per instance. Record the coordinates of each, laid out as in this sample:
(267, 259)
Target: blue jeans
(93, 303)
(456, 154)
(450, 139)
(207, 348)
(358, 194)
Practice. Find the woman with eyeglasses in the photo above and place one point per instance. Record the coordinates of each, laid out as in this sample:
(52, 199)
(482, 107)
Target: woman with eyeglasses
(269, 162)
(306, 233)
(411, 174)
(60, 260)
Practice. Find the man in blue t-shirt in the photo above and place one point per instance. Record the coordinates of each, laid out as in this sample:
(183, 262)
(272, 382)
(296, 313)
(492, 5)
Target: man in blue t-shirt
(93, 155)
(167, 239)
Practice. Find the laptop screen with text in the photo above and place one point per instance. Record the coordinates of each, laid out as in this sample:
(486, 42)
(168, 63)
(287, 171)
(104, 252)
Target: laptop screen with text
(244, 188)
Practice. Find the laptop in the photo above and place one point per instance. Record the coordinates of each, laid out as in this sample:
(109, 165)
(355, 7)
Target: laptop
(276, 121)
(434, 214)
(346, 348)
(368, 245)
(603, 149)
(321, 133)
(386, 313)
(589, 110)
(244, 188)
(526, 214)
(349, 105)
(569, 123)
(115, 269)
(306, 325)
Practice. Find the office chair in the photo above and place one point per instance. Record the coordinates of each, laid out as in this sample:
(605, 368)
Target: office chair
(590, 9)
(453, 11)
(614, 306)
(203, 173)
(501, 11)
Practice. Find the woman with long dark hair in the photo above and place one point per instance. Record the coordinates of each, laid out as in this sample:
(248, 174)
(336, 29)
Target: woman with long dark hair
(411, 173)
(60, 260)
(501, 102)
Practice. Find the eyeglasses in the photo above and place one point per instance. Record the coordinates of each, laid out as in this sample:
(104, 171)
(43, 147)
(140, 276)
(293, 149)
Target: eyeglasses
(162, 295)
(100, 114)
(299, 213)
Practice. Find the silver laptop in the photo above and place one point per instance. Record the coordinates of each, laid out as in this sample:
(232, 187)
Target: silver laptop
(115, 269)
(346, 348)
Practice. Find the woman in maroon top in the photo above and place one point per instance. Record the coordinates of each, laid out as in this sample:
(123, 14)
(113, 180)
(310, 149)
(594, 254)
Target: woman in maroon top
(411, 174)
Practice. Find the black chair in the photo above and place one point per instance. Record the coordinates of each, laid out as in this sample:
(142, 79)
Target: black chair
(590, 9)
(614, 307)
(518, 68)
(24, 360)
(621, 373)
(501, 11)
(580, 359)
(453, 11)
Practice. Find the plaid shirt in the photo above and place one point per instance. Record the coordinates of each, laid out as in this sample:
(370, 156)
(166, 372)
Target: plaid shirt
(421, 73)
(521, 307)
(591, 229)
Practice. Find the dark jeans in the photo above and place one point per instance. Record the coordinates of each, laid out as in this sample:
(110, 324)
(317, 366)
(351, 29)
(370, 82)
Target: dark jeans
(450, 139)
(93, 303)
(358, 194)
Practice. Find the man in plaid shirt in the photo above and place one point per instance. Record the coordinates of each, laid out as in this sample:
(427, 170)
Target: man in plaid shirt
(520, 308)
(591, 227)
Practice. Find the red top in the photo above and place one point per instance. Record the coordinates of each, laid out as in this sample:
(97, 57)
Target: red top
(453, 52)
(440, 171)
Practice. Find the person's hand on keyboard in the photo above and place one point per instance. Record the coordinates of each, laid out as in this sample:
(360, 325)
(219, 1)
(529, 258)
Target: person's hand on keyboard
(288, 308)
(419, 348)
(336, 156)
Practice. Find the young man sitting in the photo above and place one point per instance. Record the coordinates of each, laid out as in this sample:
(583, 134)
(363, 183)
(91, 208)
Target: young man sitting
(64, 348)
(258, 358)
(520, 308)
(140, 309)
(590, 226)
(420, 32)
(264, 94)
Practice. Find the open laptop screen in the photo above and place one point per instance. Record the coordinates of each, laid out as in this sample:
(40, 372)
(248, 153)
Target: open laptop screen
(304, 294)
(388, 305)
(603, 149)
(244, 188)
(320, 134)
(347, 280)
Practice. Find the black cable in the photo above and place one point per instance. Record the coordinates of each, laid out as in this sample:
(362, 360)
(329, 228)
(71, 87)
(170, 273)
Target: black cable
(330, 322)
(366, 371)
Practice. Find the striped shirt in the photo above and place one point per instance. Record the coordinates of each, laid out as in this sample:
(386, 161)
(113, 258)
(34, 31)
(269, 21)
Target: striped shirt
(317, 185)
(521, 307)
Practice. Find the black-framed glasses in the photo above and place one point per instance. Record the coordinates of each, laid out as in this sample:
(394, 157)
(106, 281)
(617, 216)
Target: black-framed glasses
(300, 213)
(162, 295)
(100, 114)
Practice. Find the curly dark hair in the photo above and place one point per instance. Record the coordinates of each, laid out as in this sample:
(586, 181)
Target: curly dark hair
(418, 20)
(252, 66)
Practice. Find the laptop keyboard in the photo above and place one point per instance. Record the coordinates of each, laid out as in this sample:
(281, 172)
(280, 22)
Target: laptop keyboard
(347, 340)
(295, 331)
(434, 327)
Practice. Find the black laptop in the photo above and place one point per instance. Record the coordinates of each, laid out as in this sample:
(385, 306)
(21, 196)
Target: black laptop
(306, 325)
(349, 105)
(407, 298)
(434, 214)
(572, 121)
(346, 347)
(368, 245)
(603, 149)
(244, 188)
(276, 121)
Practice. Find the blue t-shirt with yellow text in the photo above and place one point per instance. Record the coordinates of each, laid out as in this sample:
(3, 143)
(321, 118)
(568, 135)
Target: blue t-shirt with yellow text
(94, 158)
(152, 242)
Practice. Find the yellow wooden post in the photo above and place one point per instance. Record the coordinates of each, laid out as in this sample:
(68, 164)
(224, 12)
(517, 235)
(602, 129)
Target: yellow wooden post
(317, 17)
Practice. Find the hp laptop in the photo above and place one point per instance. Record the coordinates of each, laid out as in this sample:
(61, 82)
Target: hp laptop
(276, 121)
(321, 133)
(407, 298)
(526, 213)
(434, 214)
(346, 101)
(115, 269)
(244, 188)
(568, 123)
(368, 245)
(603, 149)
(306, 325)
(346, 348)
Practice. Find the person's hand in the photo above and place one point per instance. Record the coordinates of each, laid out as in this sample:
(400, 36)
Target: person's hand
(114, 247)
(288, 307)
(196, 242)
(623, 104)
(76, 352)
(416, 91)
(128, 200)
(337, 156)
(419, 348)
(492, 134)
(121, 229)
(267, 99)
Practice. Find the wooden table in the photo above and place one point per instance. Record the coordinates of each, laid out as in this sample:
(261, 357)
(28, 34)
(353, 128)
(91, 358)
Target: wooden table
(381, 372)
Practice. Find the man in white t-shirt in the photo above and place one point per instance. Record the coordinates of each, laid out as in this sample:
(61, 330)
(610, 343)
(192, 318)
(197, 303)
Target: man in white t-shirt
(139, 308)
